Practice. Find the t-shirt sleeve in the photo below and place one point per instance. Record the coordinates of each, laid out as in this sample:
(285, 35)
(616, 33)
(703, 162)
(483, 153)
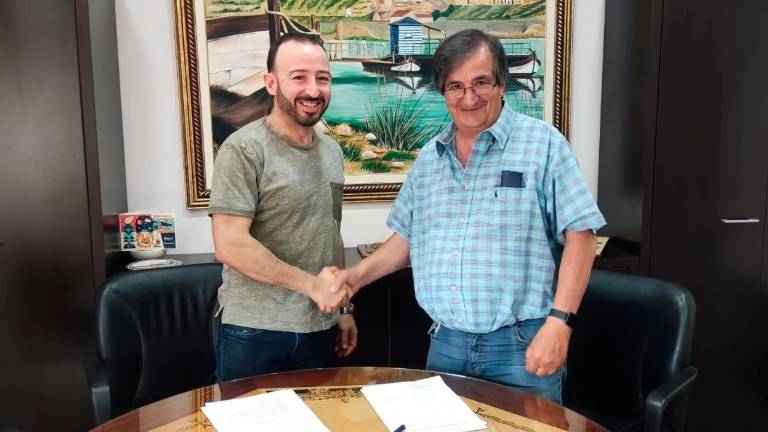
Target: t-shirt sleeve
(569, 203)
(235, 185)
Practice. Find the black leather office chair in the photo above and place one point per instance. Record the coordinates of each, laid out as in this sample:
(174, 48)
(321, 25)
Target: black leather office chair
(154, 337)
(630, 355)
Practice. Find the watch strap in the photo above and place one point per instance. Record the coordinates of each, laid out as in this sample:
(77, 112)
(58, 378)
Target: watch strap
(568, 317)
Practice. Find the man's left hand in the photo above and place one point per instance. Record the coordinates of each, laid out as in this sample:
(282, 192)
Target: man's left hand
(549, 348)
(346, 341)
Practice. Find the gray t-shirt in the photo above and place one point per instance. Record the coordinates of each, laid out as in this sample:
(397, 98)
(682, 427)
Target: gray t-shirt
(293, 194)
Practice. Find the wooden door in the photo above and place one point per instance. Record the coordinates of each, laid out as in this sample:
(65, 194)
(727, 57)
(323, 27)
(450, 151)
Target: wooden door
(46, 272)
(711, 168)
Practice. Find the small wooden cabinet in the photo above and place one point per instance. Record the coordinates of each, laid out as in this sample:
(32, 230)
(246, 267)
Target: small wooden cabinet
(392, 327)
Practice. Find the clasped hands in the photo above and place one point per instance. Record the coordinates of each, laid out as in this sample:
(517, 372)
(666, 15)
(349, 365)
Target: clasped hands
(328, 297)
(331, 289)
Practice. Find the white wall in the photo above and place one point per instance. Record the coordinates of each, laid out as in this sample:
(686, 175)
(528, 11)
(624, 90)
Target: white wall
(586, 87)
(152, 132)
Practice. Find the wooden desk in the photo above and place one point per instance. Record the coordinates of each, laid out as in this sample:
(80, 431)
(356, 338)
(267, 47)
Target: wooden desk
(339, 404)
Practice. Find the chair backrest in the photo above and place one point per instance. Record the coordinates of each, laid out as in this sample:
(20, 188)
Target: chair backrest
(154, 332)
(633, 334)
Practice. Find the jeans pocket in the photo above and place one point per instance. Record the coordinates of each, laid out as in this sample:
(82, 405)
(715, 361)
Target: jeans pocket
(521, 337)
(526, 330)
(433, 329)
(240, 332)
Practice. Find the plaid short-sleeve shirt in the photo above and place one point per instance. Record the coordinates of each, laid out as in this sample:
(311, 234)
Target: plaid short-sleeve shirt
(485, 240)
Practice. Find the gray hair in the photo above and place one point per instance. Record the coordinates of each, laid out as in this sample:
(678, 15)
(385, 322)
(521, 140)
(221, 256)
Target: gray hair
(458, 47)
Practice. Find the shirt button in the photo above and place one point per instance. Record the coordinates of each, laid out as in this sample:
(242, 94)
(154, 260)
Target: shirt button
(466, 186)
(455, 252)
(453, 288)
(462, 220)
(460, 319)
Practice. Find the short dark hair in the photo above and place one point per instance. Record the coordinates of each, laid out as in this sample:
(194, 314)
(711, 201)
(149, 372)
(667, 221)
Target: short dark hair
(296, 37)
(458, 47)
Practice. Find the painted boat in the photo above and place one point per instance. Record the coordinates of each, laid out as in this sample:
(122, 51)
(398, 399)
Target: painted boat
(523, 66)
(520, 65)
(397, 63)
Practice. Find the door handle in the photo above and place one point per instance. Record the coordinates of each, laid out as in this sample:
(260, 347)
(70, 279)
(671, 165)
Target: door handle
(740, 221)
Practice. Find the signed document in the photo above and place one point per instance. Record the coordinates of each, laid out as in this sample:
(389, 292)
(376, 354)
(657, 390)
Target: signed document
(279, 411)
(427, 405)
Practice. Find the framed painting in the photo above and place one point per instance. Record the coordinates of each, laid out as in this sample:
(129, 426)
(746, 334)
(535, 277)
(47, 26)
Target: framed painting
(383, 108)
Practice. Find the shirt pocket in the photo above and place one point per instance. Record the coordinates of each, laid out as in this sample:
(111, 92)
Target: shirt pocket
(509, 213)
(337, 195)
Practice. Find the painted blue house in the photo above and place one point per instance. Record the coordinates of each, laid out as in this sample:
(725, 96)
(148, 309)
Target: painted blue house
(405, 36)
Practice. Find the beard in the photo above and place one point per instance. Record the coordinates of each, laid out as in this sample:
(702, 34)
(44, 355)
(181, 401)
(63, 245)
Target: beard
(292, 110)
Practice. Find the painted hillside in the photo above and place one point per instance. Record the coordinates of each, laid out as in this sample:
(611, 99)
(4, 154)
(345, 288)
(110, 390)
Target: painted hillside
(535, 9)
(460, 10)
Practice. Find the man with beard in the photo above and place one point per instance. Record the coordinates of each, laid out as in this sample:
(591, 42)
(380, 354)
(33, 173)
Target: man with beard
(276, 213)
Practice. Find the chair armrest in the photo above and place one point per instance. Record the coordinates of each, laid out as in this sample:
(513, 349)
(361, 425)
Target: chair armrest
(657, 400)
(97, 374)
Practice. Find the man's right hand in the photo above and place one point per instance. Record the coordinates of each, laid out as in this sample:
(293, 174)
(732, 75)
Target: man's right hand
(347, 281)
(321, 293)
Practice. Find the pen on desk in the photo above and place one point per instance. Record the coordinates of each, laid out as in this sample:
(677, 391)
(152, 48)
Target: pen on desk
(400, 428)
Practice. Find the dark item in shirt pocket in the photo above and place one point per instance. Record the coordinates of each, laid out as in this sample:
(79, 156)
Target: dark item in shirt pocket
(511, 179)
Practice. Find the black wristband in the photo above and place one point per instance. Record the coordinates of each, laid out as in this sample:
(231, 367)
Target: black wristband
(567, 317)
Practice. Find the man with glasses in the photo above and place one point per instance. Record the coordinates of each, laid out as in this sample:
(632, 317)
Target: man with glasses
(276, 212)
(498, 225)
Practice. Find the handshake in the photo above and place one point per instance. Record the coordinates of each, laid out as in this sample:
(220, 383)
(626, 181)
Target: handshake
(333, 287)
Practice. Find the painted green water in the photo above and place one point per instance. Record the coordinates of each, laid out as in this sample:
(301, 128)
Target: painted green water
(356, 93)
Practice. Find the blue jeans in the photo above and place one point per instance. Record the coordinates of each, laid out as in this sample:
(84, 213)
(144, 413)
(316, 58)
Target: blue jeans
(497, 356)
(245, 351)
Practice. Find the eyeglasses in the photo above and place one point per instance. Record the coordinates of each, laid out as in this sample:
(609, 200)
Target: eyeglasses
(457, 91)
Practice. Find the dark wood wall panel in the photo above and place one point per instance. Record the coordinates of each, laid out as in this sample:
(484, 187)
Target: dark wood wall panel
(110, 189)
(711, 163)
(630, 66)
(47, 286)
(763, 311)
(393, 328)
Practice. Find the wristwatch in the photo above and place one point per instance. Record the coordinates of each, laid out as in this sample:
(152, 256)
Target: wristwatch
(347, 308)
(568, 317)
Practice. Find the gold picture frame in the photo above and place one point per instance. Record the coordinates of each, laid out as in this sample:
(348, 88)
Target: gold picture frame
(198, 153)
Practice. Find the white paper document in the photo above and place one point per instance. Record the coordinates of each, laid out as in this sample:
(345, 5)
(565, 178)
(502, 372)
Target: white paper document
(427, 405)
(278, 411)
